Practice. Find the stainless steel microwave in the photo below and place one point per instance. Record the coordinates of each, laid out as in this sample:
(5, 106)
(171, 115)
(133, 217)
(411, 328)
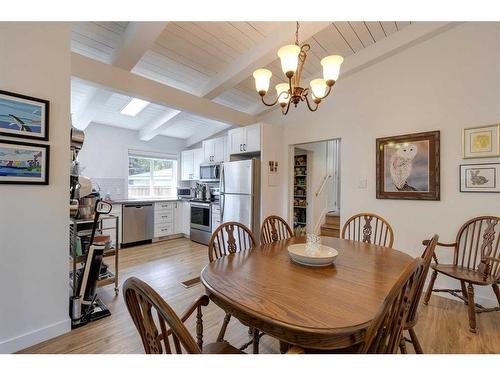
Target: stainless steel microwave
(210, 172)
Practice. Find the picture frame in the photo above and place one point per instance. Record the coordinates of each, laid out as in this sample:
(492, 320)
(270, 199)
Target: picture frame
(24, 163)
(24, 116)
(408, 166)
(481, 142)
(480, 178)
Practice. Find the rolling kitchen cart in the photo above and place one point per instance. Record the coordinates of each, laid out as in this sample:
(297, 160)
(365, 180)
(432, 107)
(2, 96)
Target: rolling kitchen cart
(83, 227)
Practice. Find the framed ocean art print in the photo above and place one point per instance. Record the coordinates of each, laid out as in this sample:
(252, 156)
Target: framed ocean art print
(481, 142)
(24, 163)
(24, 116)
(408, 166)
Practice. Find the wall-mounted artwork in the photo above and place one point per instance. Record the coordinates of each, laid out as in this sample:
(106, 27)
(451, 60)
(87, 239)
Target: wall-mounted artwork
(480, 178)
(408, 166)
(23, 116)
(24, 163)
(481, 142)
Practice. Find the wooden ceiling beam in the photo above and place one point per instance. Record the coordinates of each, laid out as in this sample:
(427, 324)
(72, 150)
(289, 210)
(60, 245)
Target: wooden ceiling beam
(119, 80)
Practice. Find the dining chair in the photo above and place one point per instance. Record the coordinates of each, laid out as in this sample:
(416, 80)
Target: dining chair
(161, 329)
(412, 317)
(274, 228)
(362, 226)
(476, 261)
(385, 332)
(230, 238)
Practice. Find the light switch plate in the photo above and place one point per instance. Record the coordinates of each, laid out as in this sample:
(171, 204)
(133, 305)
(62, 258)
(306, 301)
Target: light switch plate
(363, 184)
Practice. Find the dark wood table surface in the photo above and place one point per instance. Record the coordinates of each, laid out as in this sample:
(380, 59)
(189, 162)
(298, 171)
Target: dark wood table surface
(321, 308)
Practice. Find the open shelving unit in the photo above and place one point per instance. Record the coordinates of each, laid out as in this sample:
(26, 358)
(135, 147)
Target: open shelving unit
(300, 194)
(80, 228)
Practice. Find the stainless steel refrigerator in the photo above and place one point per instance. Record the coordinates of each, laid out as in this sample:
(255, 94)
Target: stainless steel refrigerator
(240, 193)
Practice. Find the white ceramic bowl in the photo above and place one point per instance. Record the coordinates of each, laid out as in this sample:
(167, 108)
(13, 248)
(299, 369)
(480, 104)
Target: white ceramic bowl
(312, 255)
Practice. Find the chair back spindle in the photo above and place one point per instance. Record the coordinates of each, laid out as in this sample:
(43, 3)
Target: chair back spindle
(274, 228)
(370, 228)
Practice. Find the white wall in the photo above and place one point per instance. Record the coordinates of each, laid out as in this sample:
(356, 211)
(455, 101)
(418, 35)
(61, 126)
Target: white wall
(445, 83)
(104, 154)
(35, 61)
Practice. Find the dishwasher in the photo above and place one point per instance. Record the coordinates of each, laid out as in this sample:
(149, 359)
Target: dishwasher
(138, 222)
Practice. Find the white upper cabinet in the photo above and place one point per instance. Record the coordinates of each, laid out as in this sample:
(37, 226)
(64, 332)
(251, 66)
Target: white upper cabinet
(244, 140)
(187, 158)
(197, 160)
(191, 160)
(214, 150)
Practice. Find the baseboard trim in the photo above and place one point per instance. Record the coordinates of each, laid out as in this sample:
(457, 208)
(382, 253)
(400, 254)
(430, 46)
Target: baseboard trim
(28, 339)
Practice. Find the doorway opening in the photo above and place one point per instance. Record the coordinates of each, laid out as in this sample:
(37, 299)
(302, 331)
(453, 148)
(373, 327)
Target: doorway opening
(314, 188)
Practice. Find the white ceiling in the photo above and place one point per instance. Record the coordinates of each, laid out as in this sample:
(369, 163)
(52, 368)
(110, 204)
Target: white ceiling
(190, 56)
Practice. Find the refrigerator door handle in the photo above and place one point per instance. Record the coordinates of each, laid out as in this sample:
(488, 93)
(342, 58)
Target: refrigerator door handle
(223, 198)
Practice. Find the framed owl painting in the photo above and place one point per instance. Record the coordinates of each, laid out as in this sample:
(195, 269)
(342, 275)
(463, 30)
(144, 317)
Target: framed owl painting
(408, 167)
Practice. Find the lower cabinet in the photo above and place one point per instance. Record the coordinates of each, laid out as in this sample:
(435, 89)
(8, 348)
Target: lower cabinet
(164, 218)
(109, 225)
(186, 218)
(215, 217)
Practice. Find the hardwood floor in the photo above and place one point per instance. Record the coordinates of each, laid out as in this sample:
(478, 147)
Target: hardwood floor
(442, 326)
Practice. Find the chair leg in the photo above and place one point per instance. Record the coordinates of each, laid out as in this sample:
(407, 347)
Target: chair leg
(222, 331)
(415, 342)
(256, 339)
(496, 289)
(429, 288)
(464, 292)
(472, 309)
(402, 345)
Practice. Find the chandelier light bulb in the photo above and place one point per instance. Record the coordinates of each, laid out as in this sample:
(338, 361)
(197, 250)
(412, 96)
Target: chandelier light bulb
(318, 87)
(262, 78)
(282, 93)
(331, 68)
(289, 56)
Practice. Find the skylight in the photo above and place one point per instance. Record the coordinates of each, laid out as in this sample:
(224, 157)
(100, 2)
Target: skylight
(134, 107)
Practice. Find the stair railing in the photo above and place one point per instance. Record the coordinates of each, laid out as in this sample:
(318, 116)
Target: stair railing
(323, 184)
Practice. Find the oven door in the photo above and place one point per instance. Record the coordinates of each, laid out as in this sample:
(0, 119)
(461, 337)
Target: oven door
(201, 216)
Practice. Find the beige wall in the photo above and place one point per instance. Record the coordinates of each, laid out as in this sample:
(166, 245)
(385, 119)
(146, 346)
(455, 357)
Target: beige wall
(35, 61)
(445, 83)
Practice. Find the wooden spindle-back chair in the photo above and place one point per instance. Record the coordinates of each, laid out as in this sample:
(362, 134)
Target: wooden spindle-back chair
(370, 228)
(476, 261)
(274, 228)
(229, 238)
(412, 318)
(161, 330)
(385, 332)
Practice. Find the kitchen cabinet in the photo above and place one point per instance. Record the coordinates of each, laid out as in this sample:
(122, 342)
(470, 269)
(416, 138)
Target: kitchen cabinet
(186, 218)
(214, 150)
(178, 217)
(244, 140)
(164, 219)
(215, 216)
(190, 164)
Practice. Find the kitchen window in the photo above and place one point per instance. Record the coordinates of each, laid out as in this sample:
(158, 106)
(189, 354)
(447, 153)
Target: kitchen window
(152, 177)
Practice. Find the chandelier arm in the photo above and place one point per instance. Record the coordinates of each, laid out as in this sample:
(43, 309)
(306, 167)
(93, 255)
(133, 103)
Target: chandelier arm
(287, 108)
(269, 104)
(309, 105)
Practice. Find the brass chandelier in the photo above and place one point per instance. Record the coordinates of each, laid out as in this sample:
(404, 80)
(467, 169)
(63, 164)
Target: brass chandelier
(292, 58)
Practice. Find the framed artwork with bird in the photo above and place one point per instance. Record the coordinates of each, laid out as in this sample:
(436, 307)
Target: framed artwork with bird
(408, 166)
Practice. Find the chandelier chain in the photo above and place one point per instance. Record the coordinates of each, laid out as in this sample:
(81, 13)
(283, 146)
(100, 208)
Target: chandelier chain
(297, 34)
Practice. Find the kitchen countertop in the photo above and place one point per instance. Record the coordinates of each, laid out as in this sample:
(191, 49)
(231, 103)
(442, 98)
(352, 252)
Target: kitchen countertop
(127, 201)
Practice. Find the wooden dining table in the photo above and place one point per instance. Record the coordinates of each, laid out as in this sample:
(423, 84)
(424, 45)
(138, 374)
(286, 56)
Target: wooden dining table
(313, 307)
